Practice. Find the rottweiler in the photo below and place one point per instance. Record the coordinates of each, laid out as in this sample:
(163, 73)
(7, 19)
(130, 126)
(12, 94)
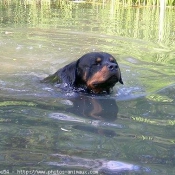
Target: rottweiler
(94, 72)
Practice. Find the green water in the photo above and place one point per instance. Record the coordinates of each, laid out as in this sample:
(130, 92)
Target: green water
(43, 129)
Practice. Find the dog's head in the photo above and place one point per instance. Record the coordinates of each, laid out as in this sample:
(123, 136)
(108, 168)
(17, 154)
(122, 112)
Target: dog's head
(99, 71)
(96, 72)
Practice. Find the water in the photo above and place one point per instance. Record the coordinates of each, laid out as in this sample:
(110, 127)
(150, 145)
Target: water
(45, 130)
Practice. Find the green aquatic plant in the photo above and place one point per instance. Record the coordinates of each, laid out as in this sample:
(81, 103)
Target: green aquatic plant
(154, 121)
(171, 122)
(68, 3)
(16, 103)
(137, 2)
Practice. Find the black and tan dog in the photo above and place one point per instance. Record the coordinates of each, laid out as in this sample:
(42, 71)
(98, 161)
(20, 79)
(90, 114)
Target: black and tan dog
(95, 72)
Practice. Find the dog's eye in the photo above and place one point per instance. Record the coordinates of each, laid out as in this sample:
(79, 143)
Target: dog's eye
(98, 61)
(112, 60)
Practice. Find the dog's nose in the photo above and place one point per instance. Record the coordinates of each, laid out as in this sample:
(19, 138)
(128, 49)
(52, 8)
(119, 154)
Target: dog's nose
(112, 66)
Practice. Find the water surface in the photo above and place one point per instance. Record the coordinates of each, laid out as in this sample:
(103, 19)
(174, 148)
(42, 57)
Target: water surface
(130, 131)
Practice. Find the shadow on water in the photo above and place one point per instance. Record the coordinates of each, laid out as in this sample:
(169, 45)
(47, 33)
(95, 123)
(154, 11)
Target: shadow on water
(56, 124)
(77, 131)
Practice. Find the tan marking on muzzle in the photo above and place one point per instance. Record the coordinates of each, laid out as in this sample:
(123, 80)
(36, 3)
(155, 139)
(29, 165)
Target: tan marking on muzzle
(98, 77)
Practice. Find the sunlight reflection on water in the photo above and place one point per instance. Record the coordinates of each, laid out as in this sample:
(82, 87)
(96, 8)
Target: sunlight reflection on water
(101, 166)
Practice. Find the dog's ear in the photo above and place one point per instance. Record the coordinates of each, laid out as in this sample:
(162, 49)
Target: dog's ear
(119, 76)
(68, 73)
(120, 79)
